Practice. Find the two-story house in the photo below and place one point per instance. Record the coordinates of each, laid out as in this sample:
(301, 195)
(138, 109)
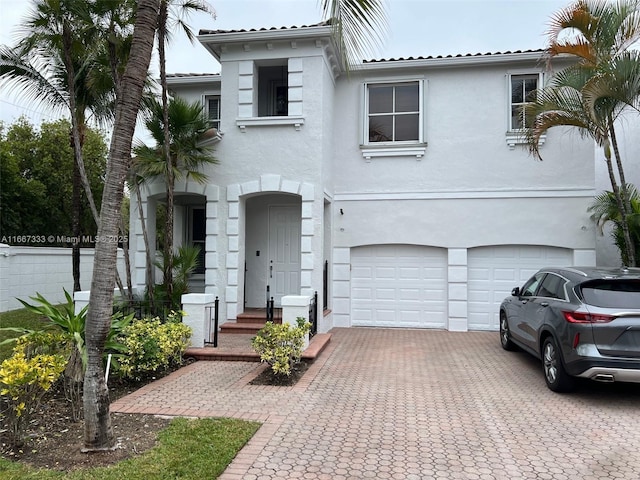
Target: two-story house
(404, 182)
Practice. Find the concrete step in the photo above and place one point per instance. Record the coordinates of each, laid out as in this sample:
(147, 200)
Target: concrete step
(230, 351)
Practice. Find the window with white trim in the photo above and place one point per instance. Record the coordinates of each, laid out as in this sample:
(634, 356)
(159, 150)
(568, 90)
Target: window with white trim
(523, 91)
(212, 108)
(393, 113)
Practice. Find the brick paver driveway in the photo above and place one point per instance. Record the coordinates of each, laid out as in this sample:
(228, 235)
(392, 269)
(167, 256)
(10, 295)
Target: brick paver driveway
(412, 404)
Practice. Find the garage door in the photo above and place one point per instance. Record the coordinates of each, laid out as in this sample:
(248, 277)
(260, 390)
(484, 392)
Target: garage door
(494, 271)
(398, 286)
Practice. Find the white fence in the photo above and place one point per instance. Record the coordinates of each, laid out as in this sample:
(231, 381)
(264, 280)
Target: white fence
(46, 270)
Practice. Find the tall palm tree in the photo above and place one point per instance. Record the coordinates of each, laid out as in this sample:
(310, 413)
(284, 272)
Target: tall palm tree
(592, 94)
(172, 13)
(55, 63)
(187, 125)
(98, 432)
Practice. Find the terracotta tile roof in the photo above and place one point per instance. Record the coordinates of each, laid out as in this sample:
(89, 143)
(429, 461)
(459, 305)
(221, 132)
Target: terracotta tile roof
(214, 32)
(460, 55)
(180, 75)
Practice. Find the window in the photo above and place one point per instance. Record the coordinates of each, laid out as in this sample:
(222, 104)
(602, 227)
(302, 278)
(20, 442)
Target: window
(523, 91)
(198, 236)
(393, 112)
(212, 108)
(529, 289)
(553, 287)
(273, 91)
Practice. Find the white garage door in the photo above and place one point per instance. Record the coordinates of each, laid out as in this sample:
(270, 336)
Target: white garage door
(494, 271)
(399, 286)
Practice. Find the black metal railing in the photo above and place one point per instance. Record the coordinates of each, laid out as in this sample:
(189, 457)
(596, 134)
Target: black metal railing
(212, 324)
(313, 315)
(142, 308)
(270, 304)
(325, 285)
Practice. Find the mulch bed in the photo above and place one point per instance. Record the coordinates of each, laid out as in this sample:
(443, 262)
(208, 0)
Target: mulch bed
(55, 440)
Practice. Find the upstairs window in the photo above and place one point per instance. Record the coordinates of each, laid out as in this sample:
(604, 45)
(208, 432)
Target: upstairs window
(212, 108)
(273, 89)
(523, 91)
(393, 112)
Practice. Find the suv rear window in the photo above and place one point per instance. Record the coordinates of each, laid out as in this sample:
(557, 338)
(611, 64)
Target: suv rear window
(612, 293)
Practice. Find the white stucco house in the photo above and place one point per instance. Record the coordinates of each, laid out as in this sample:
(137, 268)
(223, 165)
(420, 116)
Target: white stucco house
(407, 178)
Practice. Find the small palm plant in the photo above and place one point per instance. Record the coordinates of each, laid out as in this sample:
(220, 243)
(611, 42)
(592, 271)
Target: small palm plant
(604, 209)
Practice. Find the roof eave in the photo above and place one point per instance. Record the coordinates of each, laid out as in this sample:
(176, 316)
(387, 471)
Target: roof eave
(211, 40)
(478, 59)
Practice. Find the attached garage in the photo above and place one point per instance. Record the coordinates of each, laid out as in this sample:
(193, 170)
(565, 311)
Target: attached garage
(494, 271)
(399, 286)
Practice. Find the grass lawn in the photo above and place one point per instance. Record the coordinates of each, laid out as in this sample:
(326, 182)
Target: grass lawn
(20, 318)
(187, 449)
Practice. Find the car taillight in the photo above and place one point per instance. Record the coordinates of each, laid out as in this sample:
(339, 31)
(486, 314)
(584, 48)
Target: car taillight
(585, 317)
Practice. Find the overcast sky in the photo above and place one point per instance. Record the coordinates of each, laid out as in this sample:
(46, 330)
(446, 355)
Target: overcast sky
(416, 28)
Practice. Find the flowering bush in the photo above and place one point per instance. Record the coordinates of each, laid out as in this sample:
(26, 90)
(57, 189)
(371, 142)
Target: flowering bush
(150, 345)
(280, 345)
(24, 379)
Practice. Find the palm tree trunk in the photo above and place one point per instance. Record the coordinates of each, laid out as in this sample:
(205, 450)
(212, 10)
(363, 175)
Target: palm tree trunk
(149, 277)
(98, 432)
(168, 244)
(75, 226)
(630, 247)
(620, 203)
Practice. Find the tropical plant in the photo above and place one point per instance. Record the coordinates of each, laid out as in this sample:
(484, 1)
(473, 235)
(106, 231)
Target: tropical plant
(62, 63)
(605, 209)
(184, 263)
(280, 345)
(187, 125)
(36, 364)
(152, 346)
(171, 15)
(592, 94)
(98, 431)
(72, 324)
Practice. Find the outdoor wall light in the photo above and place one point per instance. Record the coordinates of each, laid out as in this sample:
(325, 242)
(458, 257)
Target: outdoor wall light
(341, 212)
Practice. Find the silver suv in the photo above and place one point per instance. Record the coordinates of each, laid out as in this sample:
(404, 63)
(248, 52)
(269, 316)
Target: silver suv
(580, 321)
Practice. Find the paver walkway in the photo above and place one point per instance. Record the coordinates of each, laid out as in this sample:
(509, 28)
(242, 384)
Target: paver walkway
(411, 404)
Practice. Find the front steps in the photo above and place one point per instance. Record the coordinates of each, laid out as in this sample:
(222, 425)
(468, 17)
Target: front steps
(250, 321)
(237, 348)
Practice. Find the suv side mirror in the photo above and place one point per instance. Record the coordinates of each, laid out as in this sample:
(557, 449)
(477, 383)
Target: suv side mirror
(516, 292)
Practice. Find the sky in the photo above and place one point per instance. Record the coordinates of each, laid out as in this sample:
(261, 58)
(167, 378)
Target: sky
(416, 28)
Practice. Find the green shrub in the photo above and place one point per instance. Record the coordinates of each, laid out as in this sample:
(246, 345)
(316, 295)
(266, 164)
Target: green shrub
(150, 346)
(280, 345)
(25, 377)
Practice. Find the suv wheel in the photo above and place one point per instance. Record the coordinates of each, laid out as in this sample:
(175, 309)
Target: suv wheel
(555, 375)
(505, 335)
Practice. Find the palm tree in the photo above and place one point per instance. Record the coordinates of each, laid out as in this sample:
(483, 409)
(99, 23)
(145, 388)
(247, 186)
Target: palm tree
(187, 125)
(605, 209)
(98, 433)
(180, 10)
(592, 94)
(56, 64)
(359, 26)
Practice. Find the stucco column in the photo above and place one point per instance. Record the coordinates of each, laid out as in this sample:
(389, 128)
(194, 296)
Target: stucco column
(457, 290)
(197, 308)
(80, 300)
(294, 307)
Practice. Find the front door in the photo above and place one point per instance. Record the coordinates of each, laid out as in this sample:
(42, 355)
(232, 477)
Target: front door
(284, 251)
